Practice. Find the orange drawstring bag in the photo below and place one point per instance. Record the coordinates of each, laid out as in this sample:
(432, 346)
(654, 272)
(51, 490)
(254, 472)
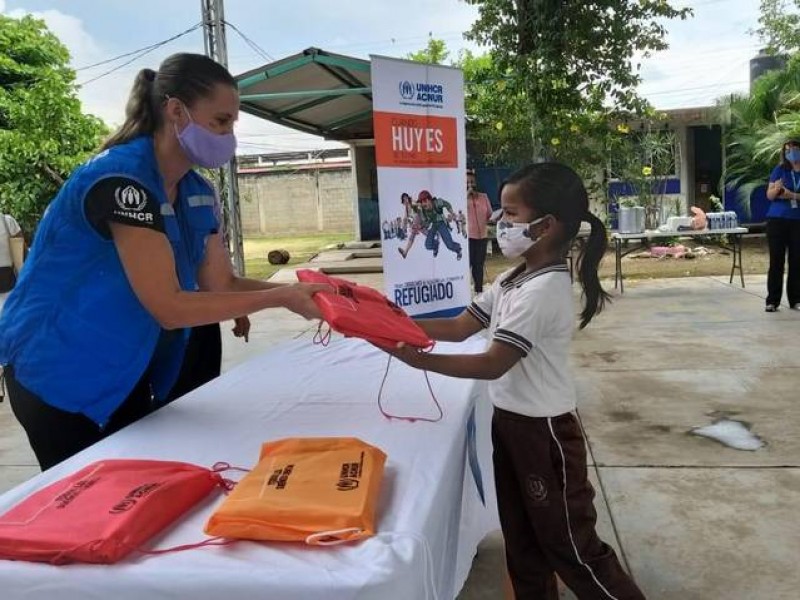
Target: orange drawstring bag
(314, 490)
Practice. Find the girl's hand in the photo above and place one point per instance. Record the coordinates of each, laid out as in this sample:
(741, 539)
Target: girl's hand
(413, 357)
(300, 298)
(241, 328)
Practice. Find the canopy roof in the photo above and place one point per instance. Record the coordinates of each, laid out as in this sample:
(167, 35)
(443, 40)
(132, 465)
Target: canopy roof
(314, 91)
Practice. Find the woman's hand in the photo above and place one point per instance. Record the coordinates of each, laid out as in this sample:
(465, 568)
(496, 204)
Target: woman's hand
(775, 190)
(299, 298)
(241, 328)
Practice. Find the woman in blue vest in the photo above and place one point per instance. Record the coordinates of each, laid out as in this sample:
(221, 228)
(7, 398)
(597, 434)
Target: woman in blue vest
(783, 228)
(127, 257)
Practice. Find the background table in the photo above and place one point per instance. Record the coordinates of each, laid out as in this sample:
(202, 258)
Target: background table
(430, 517)
(735, 247)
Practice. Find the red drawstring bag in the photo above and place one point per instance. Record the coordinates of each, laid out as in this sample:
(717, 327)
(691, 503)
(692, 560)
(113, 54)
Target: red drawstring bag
(105, 511)
(362, 312)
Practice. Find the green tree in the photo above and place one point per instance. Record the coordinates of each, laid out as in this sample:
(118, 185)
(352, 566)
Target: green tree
(435, 53)
(645, 161)
(495, 115)
(779, 26)
(495, 120)
(43, 133)
(757, 125)
(570, 58)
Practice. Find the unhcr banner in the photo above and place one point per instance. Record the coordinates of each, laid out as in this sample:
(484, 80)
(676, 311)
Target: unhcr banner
(421, 157)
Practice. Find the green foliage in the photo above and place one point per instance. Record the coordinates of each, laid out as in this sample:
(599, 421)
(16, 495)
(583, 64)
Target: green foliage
(562, 59)
(645, 160)
(779, 26)
(496, 116)
(557, 78)
(758, 125)
(43, 133)
(495, 120)
(435, 53)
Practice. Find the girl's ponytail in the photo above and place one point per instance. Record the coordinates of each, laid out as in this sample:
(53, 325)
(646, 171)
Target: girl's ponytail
(588, 262)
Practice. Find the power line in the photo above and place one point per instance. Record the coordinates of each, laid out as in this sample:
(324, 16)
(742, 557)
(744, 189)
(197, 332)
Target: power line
(139, 54)
(151, 46)
(258, 49)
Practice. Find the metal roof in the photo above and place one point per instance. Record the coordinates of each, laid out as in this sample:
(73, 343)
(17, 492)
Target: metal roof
(314, 91)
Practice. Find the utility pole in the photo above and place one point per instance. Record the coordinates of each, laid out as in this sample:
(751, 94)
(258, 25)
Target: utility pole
(213, 15)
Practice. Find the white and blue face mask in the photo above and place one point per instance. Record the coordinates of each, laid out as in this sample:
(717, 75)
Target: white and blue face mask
(515, 239)
(792, 154)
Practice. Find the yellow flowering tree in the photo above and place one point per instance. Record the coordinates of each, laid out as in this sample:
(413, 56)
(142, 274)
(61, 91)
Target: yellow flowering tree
(643, 162)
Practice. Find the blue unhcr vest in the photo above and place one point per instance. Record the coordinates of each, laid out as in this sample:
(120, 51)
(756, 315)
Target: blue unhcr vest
(73, 329)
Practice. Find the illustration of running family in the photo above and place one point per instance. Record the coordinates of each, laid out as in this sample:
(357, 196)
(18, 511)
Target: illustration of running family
(427, 216)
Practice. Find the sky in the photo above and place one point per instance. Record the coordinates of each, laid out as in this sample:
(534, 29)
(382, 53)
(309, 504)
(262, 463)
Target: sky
(708, 56)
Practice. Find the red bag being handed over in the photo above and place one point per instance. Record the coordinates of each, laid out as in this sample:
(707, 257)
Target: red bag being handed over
(104, 511)
(362, 312)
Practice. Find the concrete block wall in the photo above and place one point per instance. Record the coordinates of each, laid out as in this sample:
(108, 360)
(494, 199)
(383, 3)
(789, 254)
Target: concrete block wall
(296, 202)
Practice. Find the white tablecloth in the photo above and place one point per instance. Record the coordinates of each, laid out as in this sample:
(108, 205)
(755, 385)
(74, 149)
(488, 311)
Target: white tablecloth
(430, 517)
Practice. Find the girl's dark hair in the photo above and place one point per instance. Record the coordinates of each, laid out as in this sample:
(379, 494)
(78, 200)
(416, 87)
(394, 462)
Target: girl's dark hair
(186, 77)
(793, 143)
(552, 188)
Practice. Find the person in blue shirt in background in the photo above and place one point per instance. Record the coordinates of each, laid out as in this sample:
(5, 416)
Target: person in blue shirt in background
(783, 228)
(126, 260)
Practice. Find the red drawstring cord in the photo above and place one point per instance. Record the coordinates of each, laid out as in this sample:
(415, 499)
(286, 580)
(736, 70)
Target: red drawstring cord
(319, 337)
(407, 418)
(215, 541)
(226, 484)
(324, 340)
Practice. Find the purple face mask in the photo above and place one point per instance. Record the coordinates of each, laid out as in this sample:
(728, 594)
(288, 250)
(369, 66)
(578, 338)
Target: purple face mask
(203, 147)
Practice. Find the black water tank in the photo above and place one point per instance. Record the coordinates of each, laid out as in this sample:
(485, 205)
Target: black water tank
(765, 62)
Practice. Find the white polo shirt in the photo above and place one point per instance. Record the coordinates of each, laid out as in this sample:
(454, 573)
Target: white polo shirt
(534, 313)
(8, 229)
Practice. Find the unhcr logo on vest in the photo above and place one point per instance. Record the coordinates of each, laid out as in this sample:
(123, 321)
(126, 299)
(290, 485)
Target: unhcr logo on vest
(132, 201)
(421, 94)
(129, 198)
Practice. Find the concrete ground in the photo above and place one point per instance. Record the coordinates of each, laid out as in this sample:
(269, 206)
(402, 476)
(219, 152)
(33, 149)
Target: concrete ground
(691, 518)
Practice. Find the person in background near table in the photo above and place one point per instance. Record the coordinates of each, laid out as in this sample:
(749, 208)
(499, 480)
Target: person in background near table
(479, 212)
(543, 493)
(783, 228)
(202, 359)
(9, 228)
(126, 258)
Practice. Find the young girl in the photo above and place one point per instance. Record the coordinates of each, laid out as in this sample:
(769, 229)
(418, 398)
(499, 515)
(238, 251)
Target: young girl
(543, 494)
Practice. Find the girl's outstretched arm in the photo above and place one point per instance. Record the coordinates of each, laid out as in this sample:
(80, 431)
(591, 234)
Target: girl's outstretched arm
(455, 329)
(491, 364)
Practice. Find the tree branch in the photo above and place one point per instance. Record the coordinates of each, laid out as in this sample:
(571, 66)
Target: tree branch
(51, 174)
